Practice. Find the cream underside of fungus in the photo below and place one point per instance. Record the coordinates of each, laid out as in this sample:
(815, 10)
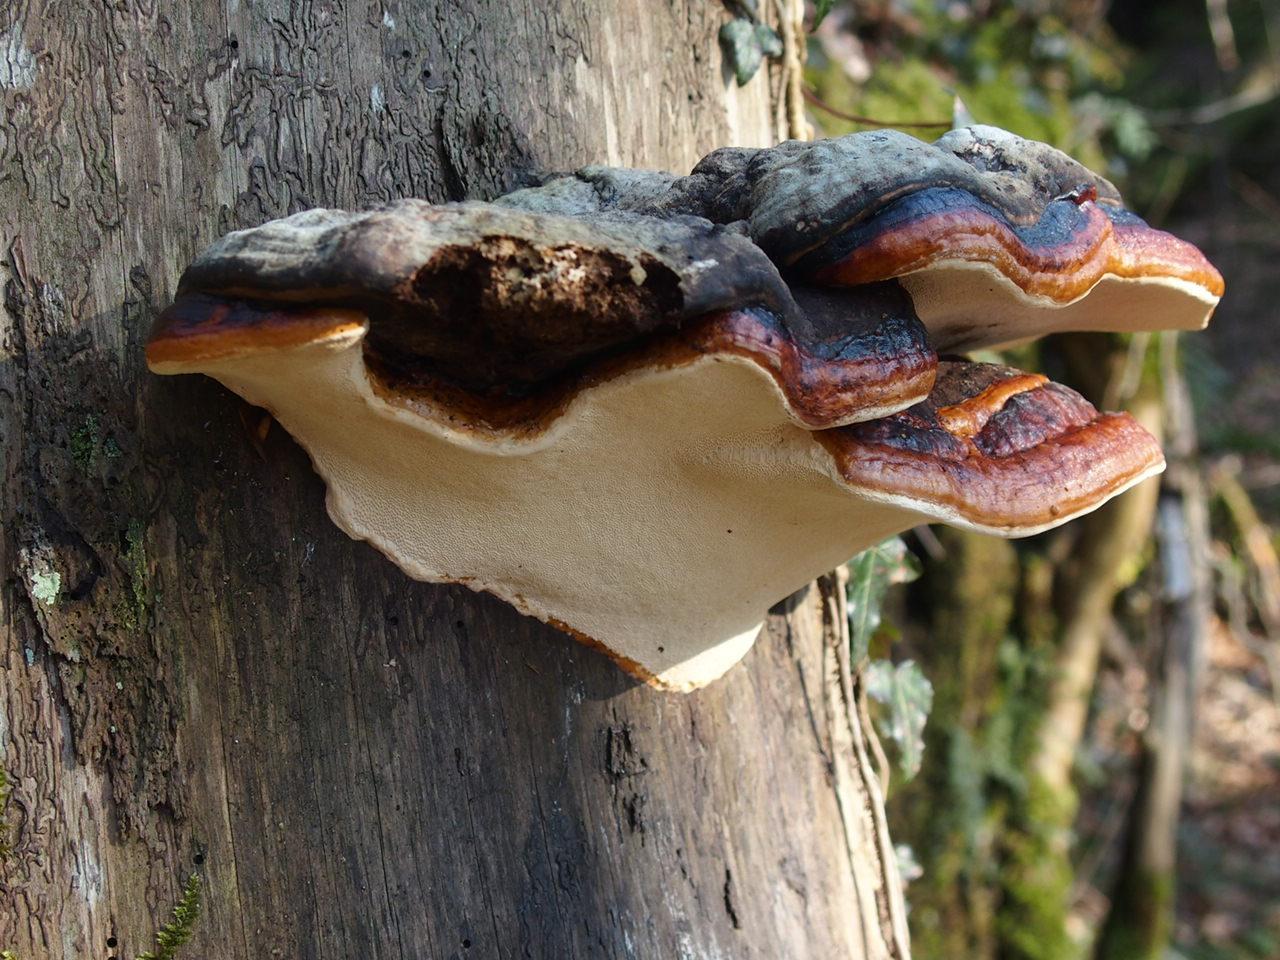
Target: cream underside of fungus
(967, 306)
(665, 547)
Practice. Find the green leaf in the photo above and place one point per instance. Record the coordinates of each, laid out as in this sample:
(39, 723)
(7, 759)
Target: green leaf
(909, 696)
(823, 8)
(768, 40)
(741, 45)
(871, 574)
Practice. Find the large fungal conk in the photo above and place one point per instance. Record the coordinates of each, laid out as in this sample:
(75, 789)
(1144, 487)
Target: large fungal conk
(628, 405)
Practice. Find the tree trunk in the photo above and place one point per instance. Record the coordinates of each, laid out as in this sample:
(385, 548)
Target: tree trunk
(1140, 923)
(201, 674)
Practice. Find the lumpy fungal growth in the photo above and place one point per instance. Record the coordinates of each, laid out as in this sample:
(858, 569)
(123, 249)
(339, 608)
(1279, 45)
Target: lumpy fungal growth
(644, 408)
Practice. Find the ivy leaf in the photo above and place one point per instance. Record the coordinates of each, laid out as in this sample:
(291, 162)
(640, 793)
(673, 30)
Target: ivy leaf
(909, 868)
(909, 696)
(741, 45)
(823, 8)
(871, 574)
(769, 41)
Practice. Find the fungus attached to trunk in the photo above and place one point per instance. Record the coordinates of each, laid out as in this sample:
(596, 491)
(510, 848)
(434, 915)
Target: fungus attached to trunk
(620, 418)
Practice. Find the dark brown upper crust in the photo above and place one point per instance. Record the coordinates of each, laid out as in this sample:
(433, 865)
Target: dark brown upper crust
(801, 200)
(1059, 258)
(877, 205)
(851, 358)
(996, 449)
(502, 303)
(855, 358)
(511, 295)
(718, 189)
(492, 296)
(798, 195)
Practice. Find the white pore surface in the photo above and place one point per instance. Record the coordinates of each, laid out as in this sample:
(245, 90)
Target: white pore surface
(662, 515)
(968, 306)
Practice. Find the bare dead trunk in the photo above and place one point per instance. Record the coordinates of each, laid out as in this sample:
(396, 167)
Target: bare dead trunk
(1140, 922)
(202, 674)
(1100, 561)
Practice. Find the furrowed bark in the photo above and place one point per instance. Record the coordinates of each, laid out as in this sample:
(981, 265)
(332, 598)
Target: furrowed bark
(201, 674)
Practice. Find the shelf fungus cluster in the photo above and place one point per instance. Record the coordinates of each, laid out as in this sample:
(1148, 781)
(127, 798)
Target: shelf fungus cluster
(644, 408)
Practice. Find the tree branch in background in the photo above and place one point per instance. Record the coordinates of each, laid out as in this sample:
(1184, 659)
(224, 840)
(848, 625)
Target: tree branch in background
(791, 26)
(1224, 36)
(1140, 922)
(869, 121)
(1260, 86)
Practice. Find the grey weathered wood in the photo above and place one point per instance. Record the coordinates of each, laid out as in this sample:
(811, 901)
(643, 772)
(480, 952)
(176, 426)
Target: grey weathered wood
(356, 764)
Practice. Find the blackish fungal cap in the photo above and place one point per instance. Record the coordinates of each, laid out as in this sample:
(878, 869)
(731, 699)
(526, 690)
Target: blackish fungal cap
(936, 223)
(978, 280)
(503, 314)
(488, 295)
(805, 196)
(798, 194)
(875, 206)
(998, 239)
(1021, 175)
(1062, 255)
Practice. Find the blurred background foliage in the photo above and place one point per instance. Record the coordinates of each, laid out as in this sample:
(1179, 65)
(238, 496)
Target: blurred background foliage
(1101, 766)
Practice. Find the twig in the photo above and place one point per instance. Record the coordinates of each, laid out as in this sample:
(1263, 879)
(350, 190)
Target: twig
(1262, 86)
(791, 24)
(1125, 386)
(1256, 195)
(1255, 536)
(868, 121)
(929, 541)
(1224, 37)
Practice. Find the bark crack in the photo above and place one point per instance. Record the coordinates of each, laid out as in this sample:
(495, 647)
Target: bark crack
(729, 908)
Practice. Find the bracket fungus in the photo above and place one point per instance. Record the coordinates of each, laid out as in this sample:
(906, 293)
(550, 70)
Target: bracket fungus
(644, 408)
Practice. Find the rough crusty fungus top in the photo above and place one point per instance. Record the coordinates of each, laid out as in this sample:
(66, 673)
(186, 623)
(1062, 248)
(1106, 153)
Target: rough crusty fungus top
(644, 408)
